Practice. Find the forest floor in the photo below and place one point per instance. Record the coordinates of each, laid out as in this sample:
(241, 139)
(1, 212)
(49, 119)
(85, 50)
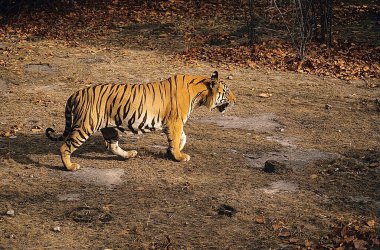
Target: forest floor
(321, 134)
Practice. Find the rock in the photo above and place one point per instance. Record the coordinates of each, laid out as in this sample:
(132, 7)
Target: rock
(11, 212)
(374, 165)
(272, 166)
(229, 77)
(57, 229)
(226, 210)
(328, 106)
(377, 102)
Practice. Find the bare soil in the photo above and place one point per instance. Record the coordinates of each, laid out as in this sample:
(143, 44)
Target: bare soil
(326, 131)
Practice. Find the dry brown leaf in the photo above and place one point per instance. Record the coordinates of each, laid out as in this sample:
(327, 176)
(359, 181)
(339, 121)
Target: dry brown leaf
(251, 64)
(371, 223)
(124, 232)
(260, 219)
(276, 226)
(308, 243)
(284, 234)
(293, 240)
(6, 134)
(360, 244)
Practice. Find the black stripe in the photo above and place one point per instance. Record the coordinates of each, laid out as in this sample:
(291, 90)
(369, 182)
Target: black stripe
(143, 121)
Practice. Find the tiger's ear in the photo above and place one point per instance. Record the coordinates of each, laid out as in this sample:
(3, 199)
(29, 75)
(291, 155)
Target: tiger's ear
(214, 79)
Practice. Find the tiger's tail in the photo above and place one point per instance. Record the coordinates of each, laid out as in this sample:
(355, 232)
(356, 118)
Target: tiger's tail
(69, 121)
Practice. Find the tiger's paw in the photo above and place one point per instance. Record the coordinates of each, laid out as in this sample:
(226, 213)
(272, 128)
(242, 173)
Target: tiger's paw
(73, 167)
(177, 156)
(183, 157)
(127, 154)
(131, 153)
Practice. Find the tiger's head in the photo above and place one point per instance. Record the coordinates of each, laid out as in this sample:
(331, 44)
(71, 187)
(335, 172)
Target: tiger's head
(220, 96)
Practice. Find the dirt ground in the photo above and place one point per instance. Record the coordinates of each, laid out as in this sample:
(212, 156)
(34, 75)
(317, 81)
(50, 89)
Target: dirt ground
(321, 134)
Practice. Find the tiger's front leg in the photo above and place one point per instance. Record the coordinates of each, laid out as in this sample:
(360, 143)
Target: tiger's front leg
(182, 141)
(177, 140)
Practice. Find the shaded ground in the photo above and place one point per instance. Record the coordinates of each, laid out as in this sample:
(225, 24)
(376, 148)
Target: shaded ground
(331, 153)
(322, 135)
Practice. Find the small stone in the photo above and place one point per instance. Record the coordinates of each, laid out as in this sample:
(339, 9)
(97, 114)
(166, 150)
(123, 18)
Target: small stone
(57, 229)
(140, 188)
(328, 106)
(229, 77)
(272, 166)
(313, 176)
(226, 210)
(11, 212)
(374, 165)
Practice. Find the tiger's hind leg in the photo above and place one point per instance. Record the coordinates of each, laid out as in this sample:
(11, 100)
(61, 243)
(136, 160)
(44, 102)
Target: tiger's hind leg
(111, 138)
(74, 140)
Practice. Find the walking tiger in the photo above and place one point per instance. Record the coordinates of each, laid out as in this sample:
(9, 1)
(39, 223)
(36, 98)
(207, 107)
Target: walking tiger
(139, 108)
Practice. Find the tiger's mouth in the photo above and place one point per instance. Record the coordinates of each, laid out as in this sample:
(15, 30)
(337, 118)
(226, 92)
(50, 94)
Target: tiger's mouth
(222, 108)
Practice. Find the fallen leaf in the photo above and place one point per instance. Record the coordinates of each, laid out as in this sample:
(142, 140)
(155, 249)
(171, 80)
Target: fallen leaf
(260, 220)
(276, 226)
(251, 64)
(308, 243)
(6, 134)
(371, 223)
(360, 244)
(265, 95)
(293, 240)
(124, 232)
(284, 234)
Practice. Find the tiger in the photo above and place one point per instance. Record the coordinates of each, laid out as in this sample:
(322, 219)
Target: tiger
(140, 108)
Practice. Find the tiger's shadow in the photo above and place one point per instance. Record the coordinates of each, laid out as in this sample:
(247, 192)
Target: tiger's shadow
(22, 148)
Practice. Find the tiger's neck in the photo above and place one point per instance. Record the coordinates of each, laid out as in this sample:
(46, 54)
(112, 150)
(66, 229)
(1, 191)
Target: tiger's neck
(198, 93)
